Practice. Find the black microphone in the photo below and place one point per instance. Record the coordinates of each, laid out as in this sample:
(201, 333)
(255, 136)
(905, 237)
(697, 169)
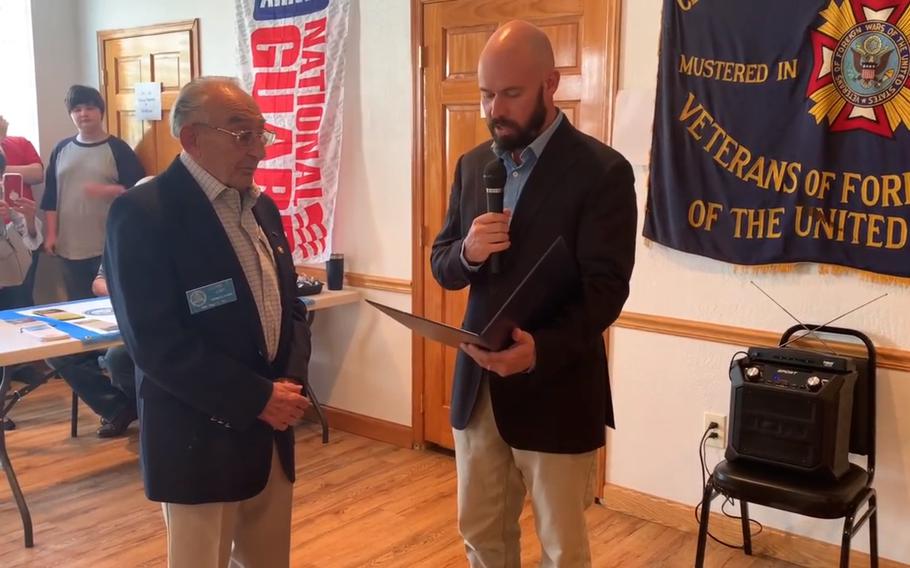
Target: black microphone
(494, 179)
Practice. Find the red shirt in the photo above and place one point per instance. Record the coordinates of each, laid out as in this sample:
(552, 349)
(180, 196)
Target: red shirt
(20, 152)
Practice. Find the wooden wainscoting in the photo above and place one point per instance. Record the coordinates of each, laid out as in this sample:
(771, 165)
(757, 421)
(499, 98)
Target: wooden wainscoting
(887, 357)
(366, 426)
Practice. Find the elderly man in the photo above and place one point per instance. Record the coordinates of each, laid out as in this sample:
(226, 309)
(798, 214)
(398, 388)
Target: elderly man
(531, 417)
(203, 286)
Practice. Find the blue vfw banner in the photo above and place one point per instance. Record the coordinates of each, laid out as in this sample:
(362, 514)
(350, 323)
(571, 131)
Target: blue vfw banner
(782, 132)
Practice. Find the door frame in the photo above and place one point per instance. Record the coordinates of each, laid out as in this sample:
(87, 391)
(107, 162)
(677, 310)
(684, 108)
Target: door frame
(191, 26)
(417, 227)
(613, 28)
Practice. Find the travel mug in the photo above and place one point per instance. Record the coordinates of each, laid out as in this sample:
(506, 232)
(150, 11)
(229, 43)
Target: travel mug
(334, 271)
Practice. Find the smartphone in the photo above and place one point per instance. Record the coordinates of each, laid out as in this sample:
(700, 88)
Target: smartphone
(12, 188)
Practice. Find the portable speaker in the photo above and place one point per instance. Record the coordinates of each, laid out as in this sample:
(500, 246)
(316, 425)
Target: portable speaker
(792, 409)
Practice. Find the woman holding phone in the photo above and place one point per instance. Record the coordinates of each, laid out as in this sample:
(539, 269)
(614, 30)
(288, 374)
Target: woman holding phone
(23, 159)
(17, 213)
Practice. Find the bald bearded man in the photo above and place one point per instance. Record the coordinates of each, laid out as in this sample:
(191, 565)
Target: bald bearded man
(531, 417)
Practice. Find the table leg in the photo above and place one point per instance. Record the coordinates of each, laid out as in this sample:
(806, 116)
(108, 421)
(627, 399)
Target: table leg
(312, 396)
(322, 420)
(5, 379)
(74, 416)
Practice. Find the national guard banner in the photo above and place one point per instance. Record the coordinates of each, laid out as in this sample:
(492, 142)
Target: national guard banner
(781, 132)
(292, 60)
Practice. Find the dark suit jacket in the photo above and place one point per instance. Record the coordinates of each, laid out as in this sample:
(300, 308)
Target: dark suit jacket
(584, 191)
(202, 379)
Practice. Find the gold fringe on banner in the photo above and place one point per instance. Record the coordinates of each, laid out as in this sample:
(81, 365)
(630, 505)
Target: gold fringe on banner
(783, 268)
(833, 269)
(823, 269)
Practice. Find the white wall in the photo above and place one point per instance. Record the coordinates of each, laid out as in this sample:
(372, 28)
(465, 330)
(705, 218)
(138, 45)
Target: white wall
(218, 46)
(66, 46)
(17, 98)
(362, 361)
(373, 226)
(372, 218)
(663, 385)
(56, 67)
(55, 25)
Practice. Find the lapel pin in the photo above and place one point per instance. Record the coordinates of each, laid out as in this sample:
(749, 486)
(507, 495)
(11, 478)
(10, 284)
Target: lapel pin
(280, 249)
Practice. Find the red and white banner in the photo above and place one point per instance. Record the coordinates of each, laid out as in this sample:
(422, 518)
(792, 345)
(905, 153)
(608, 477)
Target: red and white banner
(292, 62)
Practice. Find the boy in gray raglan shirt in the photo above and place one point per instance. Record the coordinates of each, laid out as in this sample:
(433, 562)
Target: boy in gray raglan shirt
(84, 175)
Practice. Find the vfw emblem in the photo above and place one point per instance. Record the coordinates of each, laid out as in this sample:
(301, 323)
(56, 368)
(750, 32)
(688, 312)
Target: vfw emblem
(861, 67)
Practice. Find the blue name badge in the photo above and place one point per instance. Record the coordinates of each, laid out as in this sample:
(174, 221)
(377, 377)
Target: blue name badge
(211, 296)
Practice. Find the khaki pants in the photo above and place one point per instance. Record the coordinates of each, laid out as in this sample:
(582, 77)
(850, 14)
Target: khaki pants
(492, 480)
(255, 533)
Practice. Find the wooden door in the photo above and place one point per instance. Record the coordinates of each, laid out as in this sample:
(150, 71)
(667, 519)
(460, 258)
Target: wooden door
(167, 54)
(584, 34)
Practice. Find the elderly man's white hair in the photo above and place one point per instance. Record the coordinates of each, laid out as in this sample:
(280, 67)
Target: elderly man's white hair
(188, 108)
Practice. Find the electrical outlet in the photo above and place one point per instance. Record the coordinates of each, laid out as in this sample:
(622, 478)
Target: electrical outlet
(721, 440)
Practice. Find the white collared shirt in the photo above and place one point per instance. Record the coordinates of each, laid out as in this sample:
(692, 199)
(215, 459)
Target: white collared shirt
(235, 211)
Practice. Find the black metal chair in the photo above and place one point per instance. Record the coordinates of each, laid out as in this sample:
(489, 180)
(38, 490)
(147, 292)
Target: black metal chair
(755, 483)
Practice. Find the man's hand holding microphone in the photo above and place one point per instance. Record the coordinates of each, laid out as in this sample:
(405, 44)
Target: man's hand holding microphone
(489, 235)
(489, 232)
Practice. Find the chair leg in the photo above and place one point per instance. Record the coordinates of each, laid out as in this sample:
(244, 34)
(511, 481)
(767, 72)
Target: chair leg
(703, 523)
(74, 416)
(747, 530)
(845, 542)
(873, 531)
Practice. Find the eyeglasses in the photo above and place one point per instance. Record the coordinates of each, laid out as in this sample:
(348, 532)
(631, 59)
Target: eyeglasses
(246, 138)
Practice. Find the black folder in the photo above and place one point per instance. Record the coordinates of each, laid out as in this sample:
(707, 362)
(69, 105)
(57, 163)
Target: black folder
(544, 287)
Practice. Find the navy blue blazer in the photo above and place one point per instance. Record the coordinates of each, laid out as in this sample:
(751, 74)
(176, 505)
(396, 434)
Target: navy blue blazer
(203, 378)
(581, 190)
